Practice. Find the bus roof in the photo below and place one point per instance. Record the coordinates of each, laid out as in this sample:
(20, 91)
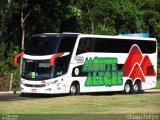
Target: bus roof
(55, 34)
(91, 35)
(117, 37)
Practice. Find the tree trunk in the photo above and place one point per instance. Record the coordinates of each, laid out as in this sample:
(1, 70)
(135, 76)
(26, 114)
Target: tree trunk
(9, 1)
(23, 31)
(22, 38)
(92, 26)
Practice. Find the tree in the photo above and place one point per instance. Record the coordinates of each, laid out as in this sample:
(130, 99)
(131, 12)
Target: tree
(23, 6)
(150, 12)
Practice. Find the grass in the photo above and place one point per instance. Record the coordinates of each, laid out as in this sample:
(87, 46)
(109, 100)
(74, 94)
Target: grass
(90, 107)
(85, 104)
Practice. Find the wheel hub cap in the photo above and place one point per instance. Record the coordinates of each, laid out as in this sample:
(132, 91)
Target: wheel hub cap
(127, 88)
(73, 89)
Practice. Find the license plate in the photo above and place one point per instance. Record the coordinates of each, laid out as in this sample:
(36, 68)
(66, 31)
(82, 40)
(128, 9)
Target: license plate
(34, 90)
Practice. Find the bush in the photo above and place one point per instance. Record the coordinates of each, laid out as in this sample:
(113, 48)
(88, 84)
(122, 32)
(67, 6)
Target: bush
(16, 79)
(7, 67)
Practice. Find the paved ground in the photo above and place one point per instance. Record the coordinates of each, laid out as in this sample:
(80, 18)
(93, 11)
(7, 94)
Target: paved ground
(9, 96)
(17, 96)
(154, 91)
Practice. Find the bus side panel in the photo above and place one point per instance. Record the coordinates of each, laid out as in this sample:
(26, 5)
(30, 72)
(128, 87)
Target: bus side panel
(82, 79)
(80, 59)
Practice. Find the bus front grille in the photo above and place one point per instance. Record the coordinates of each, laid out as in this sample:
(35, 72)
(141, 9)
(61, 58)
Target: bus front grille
(31, 85)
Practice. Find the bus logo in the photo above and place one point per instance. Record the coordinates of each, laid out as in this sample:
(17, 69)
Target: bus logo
(102, 72)
(137, 66)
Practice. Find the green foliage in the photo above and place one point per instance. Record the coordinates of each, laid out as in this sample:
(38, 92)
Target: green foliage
(158, 84)
(6, 68)
(99, 29)
(13, 50)
(158, 70)
(16, 79)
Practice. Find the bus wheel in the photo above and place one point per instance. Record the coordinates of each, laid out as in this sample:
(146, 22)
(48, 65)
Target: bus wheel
(137, 87)
(74, 89)
(128, 88)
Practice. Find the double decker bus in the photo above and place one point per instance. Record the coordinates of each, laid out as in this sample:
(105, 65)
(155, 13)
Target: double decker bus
(55, 63)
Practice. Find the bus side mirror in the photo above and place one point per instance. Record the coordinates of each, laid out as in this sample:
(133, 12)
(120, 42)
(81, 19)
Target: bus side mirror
(16, 57)
(53, 58)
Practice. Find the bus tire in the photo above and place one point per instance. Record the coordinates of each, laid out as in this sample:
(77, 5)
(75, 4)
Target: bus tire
(128, 88)
(137, 87)
(74, 89)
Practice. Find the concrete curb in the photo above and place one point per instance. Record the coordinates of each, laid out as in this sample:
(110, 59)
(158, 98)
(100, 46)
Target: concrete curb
(152, 90)
(9, 92)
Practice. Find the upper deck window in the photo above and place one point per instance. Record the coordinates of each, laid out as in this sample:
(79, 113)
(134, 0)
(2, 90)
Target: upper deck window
(50, 44)
(42, 45)
(90, 44)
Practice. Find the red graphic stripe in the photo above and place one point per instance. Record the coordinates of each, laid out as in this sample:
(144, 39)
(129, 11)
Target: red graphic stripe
(135, 56)
(136, 66)
(147, 67)
(137, 73)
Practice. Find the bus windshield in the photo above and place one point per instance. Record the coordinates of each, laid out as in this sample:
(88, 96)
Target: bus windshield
(42, 45)
(36, 69)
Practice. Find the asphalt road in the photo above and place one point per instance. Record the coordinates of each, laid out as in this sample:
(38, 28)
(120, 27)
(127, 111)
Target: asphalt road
(15, 97)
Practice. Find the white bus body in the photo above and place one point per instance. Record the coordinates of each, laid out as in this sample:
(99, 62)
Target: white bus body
(89, 63)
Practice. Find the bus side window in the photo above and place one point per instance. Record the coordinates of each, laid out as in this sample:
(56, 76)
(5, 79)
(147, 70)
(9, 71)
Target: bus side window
(81, 46)
(86, 45)
(105, 45)
(61, 65)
